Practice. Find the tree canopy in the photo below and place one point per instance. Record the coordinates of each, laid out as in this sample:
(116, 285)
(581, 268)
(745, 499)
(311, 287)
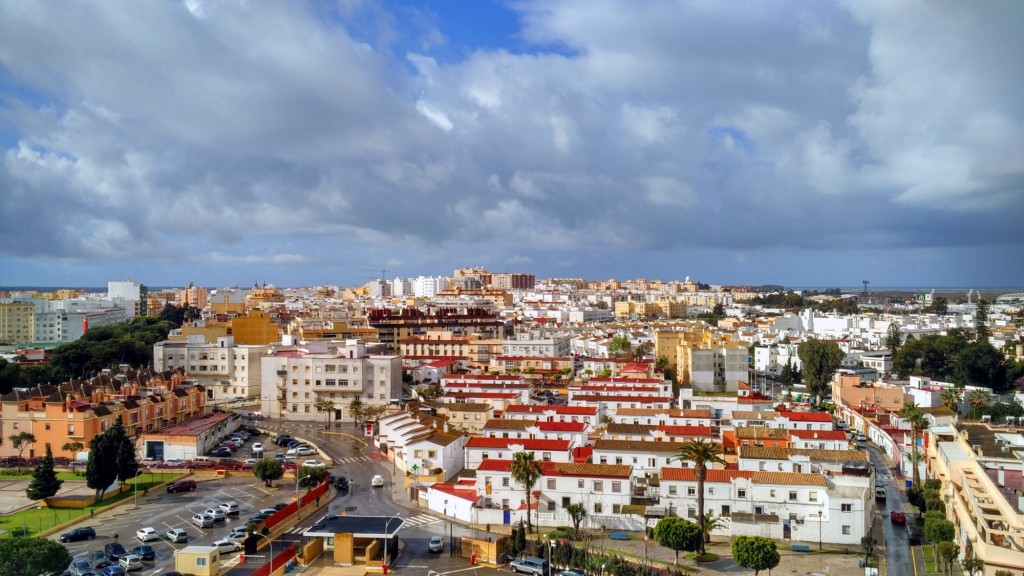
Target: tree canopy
(267, 470)
(32, 556)
(44, 479)
(953, 358)
(679, 534)
(820, 360)
(755, 553)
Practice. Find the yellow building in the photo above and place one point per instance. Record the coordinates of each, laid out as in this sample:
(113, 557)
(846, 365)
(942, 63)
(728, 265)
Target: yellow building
(255, 328)
(17, 322)
(198, 560)
(261, 296)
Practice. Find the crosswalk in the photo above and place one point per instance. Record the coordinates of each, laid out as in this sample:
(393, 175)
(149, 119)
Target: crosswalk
(351, 460)
(421, 520)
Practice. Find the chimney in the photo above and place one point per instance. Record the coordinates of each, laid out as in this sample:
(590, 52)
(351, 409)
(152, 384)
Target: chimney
(815, 435)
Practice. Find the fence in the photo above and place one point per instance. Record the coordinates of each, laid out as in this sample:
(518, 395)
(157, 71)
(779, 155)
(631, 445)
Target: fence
(305, 500)
(278, 562)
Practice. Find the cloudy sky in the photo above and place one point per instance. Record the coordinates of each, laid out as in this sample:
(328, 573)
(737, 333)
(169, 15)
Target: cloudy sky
(301, 143)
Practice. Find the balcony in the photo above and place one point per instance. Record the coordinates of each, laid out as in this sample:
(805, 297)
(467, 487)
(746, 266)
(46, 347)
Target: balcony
(282, 372)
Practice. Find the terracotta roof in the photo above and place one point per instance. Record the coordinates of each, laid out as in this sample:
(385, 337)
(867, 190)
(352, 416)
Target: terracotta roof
(762, 453)
(526, 443)
(464, 407)
(758, 433)
(561, 426)
(438, 437)
(611, 398)
(616, 428)
(589, 470)
(672, 412)
(462, 492)
(570, 410)
(713, 474)
(638, 446)
(819, 434)
(789, 479)
(693, 413)
(806, 416)
(704, 431)
(754, 414)
(503, 424)
(494, 465)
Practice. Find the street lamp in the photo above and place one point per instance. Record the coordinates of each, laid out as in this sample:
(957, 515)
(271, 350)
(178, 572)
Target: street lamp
(451, 551)
(551, 552)
(270, 544)
(135, 488)
(819, 530)
(384, 561)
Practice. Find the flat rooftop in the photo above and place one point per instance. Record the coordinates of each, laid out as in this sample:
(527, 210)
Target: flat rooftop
(358, 526)
(192, 427)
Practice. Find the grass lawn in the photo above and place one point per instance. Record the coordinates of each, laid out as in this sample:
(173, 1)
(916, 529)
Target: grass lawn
(929, 560)
(39, 519)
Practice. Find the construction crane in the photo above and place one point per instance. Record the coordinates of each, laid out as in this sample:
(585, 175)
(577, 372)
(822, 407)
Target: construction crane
(383, 273)
(866, 282)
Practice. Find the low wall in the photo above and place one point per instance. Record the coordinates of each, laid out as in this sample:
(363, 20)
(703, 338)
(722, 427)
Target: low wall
(84, 501)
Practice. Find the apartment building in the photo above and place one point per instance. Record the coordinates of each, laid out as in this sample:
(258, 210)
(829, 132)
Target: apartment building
(537, 343)
(297, 382)
(17, 322)
(480, 448)
(646, 458)
(78, 411)
(226, 370)
(395, 325)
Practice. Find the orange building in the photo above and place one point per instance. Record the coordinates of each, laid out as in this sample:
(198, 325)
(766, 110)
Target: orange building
(76, 411)
(754, 436)
(256, 328)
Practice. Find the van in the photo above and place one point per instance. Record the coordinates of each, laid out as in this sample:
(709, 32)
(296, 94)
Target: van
(202, 459)
(880, 493)
(530, 565)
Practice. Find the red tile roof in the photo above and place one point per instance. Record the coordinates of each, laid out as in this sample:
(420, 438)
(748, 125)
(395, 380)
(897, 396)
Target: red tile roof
(819, 434)
(461, 491)
(568, 410)
(713, 475)
(806, 416)
(526, 443)
(562, 426)
(686, 430)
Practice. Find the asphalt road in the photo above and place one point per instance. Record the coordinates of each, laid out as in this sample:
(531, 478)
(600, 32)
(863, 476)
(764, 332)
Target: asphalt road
(897, 547)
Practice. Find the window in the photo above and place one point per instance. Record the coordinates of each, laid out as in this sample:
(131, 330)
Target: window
(597, 507)
(672, 489)
(598, 486)
(71, 429)
(504, 481)
(758, 509)
(725, 510)
(551, 506)
(546, 456)
(618, 459)
(847, 507)
(431, 454)
(792, 495)
(419, 454)
(812, 496)
(616, 508)
(846, 530)
(551, 483)
(200, 561)
(604, 459)
(772, 494)
(691, 491)
(741, 493)
(579, 484)
(47, 426)
(616, 486)
(484, 456)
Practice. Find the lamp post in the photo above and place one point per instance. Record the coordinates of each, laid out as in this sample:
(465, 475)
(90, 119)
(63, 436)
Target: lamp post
(135, 488)
(451, 550)
(270, 544)
(551, 553)
(384, 561)
(819, 530)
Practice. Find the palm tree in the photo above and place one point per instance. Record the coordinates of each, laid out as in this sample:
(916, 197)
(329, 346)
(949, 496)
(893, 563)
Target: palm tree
(912, 414)
(701, 452)
(950, 398)
(327, 407)
(709, 523)
(526, 471)
(73, 448)
(978, 399)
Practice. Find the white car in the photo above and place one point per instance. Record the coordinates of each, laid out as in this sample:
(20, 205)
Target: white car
(130, 562)
(314, 464)
(147, 534)
(305, 451)
(291, 453)
(257, 447)
(377, 481)
(176, 535)
(237, 534)
(218, 513)
(230, 508)
(227, 546)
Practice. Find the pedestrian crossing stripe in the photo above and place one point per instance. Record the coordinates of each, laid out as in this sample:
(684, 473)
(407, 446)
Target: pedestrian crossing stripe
(351, 460)
(421, 520)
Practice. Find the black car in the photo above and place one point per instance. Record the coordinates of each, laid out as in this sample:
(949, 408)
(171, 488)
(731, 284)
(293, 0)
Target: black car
(253, 431)
(341, 483)
(115, 551)
(280, 440)
(83, 533)
(145, 552)
(222, 451)
(279, 506)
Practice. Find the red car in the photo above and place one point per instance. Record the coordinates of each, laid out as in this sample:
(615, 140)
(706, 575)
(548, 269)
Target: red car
(181, 486)
(897, 517)
(289, 466)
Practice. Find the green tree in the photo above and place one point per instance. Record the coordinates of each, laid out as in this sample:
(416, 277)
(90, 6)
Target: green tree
(938, 530)
(20, 442)
(679, 534)
(310, 477)
(972, 565)
(980, 364)
(917, 421)
(950, 398)
(755, 553)
(948, 551)
(517, 543)
(44, 480)
(709, 523)
(981, 329)
(940, 305)
(72, 448)
(701, 452)
(355, 408)
(820, 359)
(127, 465)
(267, 470)
(32, 556)
(327, 407)
(620, 346)
(867, 543)
(526, 471)
(576, 511)
(101, 467)
(894, 338)
(978, 399)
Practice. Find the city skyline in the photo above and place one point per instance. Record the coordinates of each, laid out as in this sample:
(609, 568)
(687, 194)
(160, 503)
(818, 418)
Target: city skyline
(306, 143)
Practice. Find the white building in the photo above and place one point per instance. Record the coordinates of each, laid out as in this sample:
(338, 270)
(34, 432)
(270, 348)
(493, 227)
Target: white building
(296, 380)
(480, 448)
(226, 370)
(537, 343)
(646, 458)
(128, 294)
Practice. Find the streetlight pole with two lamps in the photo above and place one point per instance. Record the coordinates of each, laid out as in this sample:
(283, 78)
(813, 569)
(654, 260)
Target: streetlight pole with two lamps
(270, 544)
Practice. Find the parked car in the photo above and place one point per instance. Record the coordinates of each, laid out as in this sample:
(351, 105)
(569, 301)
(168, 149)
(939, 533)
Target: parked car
(377, 481)
(150, 462)
(530, 565)
(229, 508)
(83, 533)
(268, 511)
(280, 456)
(859, 437)
(174, 464)
(257, 447)
(279, 506)
(145, 551)
(341, 483)
(436, 544)
(113, 570)
(79, 567)
(897, 517)
(97, 557)
(176, 535)
(217, 513)
(571, 573)
(203, 520)
(181, 486)
(254, 431)
(237, 534)
(280, 440)
(305, 451)
(131, 562)
(314, 464)
(115, 551)
(914, 537)
(146, 534)
(225, 546)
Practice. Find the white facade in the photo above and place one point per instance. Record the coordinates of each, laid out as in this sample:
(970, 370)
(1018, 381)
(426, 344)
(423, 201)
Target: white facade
(128, 294)
(537, 343)
(226, 370)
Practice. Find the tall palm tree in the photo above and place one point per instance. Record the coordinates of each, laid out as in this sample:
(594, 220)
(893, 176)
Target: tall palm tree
(526, 471)
(915, 418)
(701, 452)
(978, 399)
(327, 407)
(950, 398)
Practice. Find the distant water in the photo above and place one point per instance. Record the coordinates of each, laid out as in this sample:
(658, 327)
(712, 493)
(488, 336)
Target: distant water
(916, 289)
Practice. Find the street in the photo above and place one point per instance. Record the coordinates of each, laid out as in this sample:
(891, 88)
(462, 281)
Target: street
(897, 546)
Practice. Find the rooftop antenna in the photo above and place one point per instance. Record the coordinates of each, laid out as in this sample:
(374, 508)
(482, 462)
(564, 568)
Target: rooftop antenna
(866, 282)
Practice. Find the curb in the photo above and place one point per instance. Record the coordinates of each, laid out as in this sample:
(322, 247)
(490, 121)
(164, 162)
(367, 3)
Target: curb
(81, 518)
